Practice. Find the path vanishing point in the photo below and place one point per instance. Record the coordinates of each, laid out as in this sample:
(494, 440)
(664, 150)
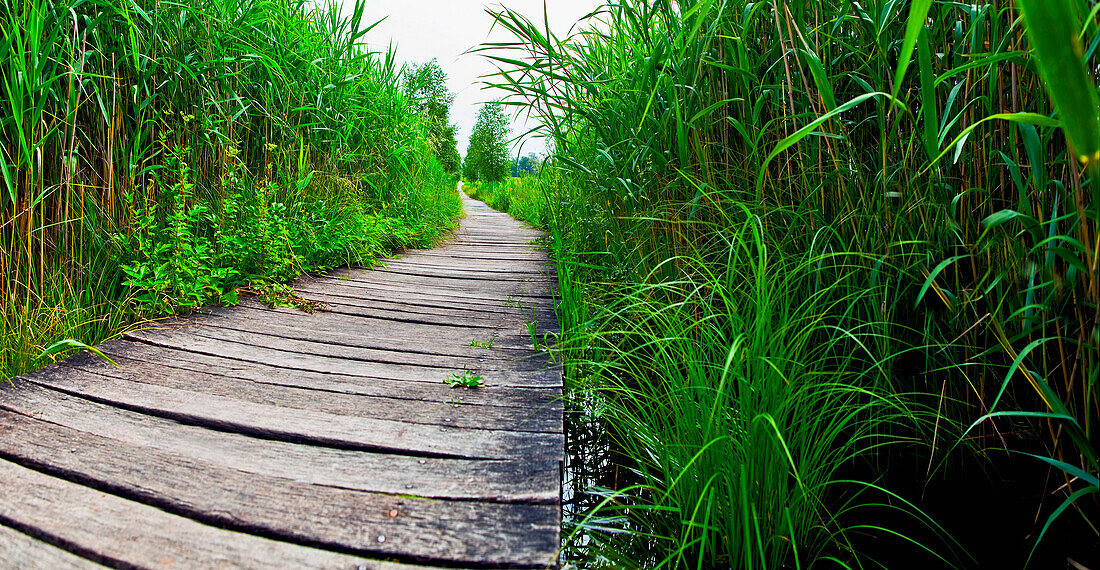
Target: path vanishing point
(257, 437)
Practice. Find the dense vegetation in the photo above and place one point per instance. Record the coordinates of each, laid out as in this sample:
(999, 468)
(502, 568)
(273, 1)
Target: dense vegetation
(828, 276)
(156, 156)
(523, 198)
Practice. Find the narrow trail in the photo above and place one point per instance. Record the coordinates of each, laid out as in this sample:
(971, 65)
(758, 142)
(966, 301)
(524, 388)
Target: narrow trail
(257, 437)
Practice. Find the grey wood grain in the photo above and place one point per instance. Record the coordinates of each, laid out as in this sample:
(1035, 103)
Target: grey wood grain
(306, 426)
(457, 290)
(526, 480)
(455, 286)
(511, 337)
(372, 297)
(436, 413)
(127, 352)
(18, 550)
(314, 515)
(394, 312)
(120, 532)
(247, 351)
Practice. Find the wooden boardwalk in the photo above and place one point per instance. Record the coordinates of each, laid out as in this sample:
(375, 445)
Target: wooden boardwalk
(253, 437)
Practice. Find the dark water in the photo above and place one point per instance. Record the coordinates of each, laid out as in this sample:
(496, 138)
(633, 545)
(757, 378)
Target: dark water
(591, 462)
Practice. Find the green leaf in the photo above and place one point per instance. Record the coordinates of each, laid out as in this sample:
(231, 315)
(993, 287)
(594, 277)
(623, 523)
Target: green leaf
(935, 273)
(1019, 118)
(70, 344)
(1052, 28)
(806, 131)
(821, 80)
(929, 112)
(1057, 512)
(918, 13)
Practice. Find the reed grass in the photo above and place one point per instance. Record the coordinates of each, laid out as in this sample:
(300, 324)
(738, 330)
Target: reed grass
(915, 141)
(158, 155)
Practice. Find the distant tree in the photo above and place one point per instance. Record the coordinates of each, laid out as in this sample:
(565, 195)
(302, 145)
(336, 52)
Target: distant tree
(487, 156)
(527, 165)
(427, 87)
(448, 151)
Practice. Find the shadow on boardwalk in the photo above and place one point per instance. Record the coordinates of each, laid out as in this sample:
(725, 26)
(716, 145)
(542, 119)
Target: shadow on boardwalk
(271, 438)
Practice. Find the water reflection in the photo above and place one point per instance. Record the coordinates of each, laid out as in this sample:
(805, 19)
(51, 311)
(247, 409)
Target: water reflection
(594, 465)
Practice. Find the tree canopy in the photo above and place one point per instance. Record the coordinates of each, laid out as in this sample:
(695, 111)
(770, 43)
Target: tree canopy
(487, 156)
(427, 85)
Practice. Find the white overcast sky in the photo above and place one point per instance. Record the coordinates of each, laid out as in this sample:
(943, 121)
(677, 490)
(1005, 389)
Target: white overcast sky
(445, 29)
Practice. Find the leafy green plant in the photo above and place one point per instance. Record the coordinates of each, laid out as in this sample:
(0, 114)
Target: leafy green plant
(466, 380)
(482, 343)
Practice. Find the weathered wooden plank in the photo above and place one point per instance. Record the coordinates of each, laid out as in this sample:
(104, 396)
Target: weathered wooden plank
(506, 350)
(407, 291)
(263, 373)
(373, 297)
(498, 241)
(460, 281)
(18, 550)
(278, 352)
(533, 372)
(453, 253)
(512, 321)
(379, 333)
(359, 290)
(450, 285)
(369, 524)
(307, 426)
(546, 321)
(439, 413)
(527, 480)
(465, 277)
(501, 273)
(358, 307)
(416, 306)
(475, 227)
(125, 533)
(508, 267)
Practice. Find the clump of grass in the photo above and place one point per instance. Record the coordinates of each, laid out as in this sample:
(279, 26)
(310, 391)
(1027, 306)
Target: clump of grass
(745, 391)
(482, 343)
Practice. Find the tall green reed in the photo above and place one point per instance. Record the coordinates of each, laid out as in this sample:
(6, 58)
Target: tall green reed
(915, 133)
(274, 115)
(745, 405)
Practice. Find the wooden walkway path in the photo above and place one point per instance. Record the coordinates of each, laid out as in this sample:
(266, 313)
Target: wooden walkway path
(253, 437)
